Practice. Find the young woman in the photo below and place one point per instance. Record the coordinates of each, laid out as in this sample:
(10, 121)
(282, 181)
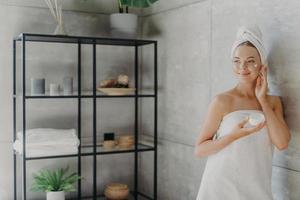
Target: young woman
(239, 164)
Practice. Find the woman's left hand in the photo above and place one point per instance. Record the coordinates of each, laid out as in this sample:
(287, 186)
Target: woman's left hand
(262, 85)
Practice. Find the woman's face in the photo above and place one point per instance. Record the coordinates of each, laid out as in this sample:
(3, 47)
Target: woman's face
(246, 63)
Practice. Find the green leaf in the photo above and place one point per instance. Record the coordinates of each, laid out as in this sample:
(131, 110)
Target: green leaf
(137, 3)
(57, 180)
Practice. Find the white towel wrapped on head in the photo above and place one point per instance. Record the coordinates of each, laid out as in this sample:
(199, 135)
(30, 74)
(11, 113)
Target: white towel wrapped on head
(253, 34)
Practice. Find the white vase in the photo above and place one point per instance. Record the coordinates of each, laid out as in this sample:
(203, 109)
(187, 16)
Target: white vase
(60, 29)
(59, 195)
(123, 25)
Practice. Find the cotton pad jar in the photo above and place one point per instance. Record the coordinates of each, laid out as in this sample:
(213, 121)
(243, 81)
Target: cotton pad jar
(256, 118)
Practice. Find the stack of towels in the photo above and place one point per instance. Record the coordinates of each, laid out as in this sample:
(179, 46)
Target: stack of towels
(47, 142)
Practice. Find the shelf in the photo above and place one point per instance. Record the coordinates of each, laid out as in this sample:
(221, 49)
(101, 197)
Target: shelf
(30, 37)
(141, 196)
(88, 151)
(85, 94)
(20, 95)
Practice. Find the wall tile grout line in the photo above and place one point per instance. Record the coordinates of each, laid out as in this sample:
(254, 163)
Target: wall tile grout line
(175, 142)
(287, 168)
(172, 9)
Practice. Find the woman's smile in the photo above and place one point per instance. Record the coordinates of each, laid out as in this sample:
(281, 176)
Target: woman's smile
(244, 74)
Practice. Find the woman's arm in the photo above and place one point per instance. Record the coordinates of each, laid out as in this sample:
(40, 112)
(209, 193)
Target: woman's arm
(210, 146)
(279, 132)
(205, 145)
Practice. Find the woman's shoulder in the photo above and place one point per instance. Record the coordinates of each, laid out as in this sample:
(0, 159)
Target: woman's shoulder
(223, 100)
(273, 98)
(226, 96)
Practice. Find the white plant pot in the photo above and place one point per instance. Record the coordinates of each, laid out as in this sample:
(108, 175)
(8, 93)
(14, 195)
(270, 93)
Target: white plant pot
(60, 195)
(123, 25)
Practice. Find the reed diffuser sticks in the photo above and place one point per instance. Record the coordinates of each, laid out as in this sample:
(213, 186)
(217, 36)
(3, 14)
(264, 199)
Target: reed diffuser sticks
(56, 11)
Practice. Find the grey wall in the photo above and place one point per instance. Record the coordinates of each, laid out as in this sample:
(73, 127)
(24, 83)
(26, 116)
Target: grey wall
(194, 40)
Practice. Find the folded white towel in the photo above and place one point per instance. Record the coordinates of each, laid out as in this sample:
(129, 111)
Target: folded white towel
(45, 150)
(47, 142)
(48, 136)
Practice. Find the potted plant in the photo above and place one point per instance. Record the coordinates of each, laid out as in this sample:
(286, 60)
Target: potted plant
(54, 183)
(124, 24)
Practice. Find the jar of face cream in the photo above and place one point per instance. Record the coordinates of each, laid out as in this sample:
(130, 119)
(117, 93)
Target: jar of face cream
(256, 118)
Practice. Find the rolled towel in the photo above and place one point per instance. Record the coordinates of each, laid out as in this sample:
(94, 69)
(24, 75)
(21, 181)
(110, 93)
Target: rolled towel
(253, 34)
(48, 136)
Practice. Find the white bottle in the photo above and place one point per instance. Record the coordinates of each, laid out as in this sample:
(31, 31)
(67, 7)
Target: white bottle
(54, 89)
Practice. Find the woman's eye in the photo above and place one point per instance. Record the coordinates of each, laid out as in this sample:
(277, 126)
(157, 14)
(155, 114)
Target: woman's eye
(236, 61)
(251, 61)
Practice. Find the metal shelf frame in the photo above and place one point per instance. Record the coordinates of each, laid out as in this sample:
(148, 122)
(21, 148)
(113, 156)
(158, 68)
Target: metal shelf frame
(22, 40)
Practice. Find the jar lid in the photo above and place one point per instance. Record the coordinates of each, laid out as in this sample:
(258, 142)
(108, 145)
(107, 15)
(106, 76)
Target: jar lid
(126, 138)
(116, 186)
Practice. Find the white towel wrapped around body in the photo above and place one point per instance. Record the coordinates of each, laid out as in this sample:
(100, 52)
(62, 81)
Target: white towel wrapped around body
(47, 142)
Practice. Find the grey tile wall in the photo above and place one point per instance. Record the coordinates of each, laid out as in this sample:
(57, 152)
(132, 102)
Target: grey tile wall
(208, 28)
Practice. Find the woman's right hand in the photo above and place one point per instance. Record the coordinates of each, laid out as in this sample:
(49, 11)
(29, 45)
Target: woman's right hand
(240, 130)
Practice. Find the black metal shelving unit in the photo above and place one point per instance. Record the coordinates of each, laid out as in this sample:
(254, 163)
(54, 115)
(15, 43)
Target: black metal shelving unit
(94, 150)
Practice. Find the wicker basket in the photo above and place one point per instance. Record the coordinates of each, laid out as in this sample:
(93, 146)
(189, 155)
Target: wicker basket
(116, 191)
(126, 141)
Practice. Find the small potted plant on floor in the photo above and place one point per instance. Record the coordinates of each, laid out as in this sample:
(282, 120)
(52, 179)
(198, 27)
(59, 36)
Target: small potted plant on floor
(124, 24)
(54, 183)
